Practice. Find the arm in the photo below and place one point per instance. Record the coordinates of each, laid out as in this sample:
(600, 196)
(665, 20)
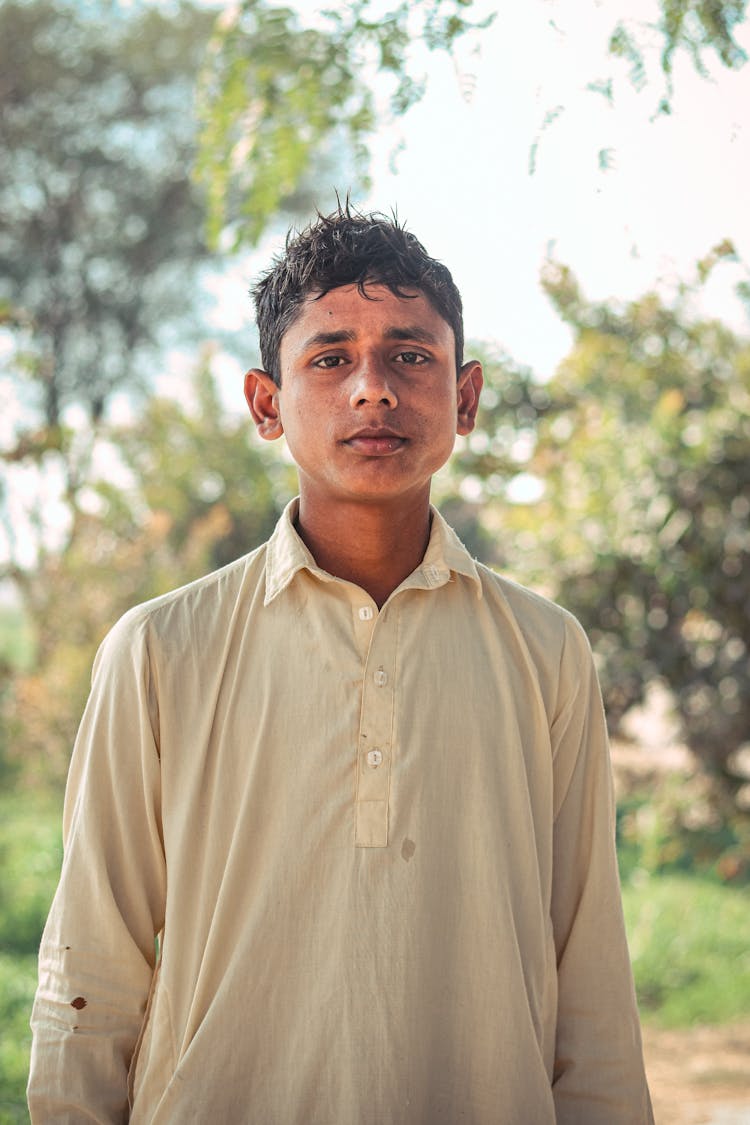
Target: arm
(97, 955)
(599, 1077)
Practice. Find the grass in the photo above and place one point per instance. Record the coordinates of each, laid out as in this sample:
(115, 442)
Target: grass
(690, 947)
(17, 984)
(30, 855)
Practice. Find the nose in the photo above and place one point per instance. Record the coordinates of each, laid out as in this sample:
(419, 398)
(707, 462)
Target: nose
(372, 384)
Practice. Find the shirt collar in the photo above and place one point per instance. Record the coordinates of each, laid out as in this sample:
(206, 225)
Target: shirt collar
(445, 556)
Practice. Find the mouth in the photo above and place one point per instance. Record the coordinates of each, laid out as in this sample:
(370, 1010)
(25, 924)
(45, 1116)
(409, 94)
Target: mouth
(375, 441)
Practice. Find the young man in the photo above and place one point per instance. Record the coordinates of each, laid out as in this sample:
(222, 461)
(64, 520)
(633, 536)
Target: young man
(355, 784)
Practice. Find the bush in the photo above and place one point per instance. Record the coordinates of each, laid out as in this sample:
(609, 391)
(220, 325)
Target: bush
(17, 985)
(688, 943)
(30, 857)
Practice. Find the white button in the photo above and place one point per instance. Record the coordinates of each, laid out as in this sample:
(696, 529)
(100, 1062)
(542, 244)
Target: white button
(381, 677)
(374, 758)
(365, 613)
(432, 573)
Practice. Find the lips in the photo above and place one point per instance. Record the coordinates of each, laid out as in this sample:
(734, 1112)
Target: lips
(375, 441)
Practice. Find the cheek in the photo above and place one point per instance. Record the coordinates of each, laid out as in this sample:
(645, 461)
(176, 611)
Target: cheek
(439, 416)
(296, 415)
(305, 428)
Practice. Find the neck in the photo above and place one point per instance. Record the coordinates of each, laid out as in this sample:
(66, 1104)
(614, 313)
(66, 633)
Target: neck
(375, 546)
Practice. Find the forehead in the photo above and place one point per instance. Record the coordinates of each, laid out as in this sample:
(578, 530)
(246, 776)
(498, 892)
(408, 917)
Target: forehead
(376, 312)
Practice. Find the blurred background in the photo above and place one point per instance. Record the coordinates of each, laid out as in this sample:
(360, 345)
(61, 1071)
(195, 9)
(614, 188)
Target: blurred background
(582, 166)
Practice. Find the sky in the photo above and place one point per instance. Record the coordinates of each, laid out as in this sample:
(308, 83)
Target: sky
(676, 185)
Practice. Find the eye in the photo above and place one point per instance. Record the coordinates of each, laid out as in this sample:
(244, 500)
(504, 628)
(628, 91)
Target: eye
(412, 359)
(327, 362)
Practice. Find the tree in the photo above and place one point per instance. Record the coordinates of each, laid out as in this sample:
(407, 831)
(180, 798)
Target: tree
(278, 96)
(639, 455)
(101, 227)
(199, 493)
(102, 234)
(490, 468)
(693, 26)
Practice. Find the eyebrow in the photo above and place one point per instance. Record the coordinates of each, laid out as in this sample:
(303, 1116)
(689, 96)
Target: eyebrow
(412, 332)
(348, 335)
(320, 339)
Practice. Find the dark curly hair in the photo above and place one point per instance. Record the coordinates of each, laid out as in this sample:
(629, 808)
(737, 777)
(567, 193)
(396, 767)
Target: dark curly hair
(349, 248)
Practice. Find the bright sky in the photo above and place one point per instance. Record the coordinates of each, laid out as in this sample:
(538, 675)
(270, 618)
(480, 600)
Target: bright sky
(677, 186)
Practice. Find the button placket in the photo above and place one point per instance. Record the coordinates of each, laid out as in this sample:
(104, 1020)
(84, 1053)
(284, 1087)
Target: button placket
(376, 736)
(364, 619)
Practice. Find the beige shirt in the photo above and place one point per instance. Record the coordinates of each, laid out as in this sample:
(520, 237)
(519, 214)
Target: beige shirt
(377, 847)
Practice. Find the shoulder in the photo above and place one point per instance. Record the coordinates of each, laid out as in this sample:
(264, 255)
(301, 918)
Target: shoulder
(188, 618)
(546, 638)
(538, 618)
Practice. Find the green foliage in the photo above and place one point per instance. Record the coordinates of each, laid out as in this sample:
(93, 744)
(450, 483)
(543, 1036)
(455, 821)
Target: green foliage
(30, 857)
(699, 25)
(17, 654)
(683, 825)
(650, 464)
(272, 95)
(688, 944)
(472, 489)
(694, 27)
(623, 45)
(278, 97)
(201, 493)
(212, 493)
(100, 225)
(639, 451)
(282, 103)
(16, 639)
(17, 986)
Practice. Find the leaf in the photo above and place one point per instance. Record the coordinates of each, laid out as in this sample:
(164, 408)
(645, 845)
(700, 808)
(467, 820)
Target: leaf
(604, 87)
(623, 45)
(311, 95)
(606, 159)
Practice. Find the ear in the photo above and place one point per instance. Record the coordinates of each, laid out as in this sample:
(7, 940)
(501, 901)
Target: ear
(262, 396)
(470, 380)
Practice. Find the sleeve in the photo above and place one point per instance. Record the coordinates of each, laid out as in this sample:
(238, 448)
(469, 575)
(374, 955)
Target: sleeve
(98, 950)
(599, 1076)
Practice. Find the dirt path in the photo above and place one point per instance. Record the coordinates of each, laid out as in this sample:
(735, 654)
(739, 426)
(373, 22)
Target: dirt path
(699, 1076)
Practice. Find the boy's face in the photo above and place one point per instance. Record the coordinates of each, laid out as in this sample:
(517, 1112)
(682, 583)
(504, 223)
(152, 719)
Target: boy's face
(369, 400)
